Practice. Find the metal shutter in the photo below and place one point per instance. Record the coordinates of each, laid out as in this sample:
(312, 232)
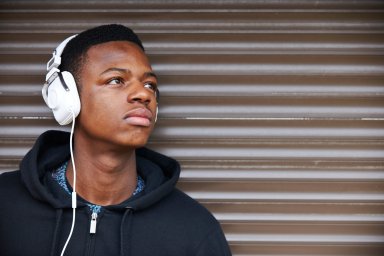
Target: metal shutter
(274, 109)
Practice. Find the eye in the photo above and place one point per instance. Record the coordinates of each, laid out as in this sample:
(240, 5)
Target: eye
(151, 85)
(115, 81)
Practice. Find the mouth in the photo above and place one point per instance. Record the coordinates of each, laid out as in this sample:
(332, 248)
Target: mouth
(139, 117)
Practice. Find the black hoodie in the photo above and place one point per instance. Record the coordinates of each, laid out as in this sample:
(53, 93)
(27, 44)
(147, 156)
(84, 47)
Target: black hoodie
(36, 213)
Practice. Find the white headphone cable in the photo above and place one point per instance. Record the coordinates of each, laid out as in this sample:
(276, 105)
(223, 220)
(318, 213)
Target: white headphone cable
(74, 204)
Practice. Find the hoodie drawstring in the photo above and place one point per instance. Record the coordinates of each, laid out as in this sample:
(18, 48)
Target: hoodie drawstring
(59, 214)
(125, 229)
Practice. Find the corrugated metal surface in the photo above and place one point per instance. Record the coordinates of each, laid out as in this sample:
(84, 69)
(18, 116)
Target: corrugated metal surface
(275, 109)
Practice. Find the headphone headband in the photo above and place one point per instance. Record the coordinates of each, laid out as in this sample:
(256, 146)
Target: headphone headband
(55, 61)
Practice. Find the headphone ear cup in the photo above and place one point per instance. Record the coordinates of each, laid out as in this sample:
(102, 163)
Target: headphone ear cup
(63, 98)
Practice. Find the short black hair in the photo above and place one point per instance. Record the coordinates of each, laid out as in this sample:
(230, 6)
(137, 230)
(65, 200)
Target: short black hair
(74, 54)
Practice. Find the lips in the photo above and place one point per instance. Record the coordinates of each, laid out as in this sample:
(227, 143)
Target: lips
(138, 116)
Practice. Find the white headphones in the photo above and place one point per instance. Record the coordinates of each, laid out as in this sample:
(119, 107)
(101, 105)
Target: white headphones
(60, 90)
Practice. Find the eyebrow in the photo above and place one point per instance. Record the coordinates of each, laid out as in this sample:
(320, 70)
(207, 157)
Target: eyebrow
(150, 74)
(122, 70)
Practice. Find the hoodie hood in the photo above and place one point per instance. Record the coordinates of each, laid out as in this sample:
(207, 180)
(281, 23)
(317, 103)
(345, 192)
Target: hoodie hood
(51, 150)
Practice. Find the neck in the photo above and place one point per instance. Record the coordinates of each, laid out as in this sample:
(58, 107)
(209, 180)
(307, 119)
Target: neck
(103, 177)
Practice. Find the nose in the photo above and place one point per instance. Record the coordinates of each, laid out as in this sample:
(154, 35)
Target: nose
(140, 94)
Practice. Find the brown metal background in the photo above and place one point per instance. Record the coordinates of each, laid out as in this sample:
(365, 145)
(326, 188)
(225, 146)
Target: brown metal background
(275, 109)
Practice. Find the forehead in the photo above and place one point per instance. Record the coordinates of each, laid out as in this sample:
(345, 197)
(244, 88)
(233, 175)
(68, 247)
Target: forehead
(115, 51)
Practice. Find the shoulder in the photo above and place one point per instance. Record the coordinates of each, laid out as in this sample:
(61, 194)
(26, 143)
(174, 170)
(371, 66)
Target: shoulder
(11, 186)
(177, 206)
(182, 210)
(186, 203)
(11, 189)
(10, 180)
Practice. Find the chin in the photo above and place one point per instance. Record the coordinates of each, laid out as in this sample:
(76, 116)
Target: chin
(136, 143)
(139, 145)
(132, 139)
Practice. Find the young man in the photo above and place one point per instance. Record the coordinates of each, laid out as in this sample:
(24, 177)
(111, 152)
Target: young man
(127, 203)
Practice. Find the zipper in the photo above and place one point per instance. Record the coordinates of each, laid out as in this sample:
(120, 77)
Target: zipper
(92, 229)
(90, 248)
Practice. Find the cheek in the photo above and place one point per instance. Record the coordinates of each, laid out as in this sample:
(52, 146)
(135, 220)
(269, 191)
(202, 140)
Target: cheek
(96, 107)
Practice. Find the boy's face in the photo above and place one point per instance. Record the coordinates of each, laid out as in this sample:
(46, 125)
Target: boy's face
(118, 99)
